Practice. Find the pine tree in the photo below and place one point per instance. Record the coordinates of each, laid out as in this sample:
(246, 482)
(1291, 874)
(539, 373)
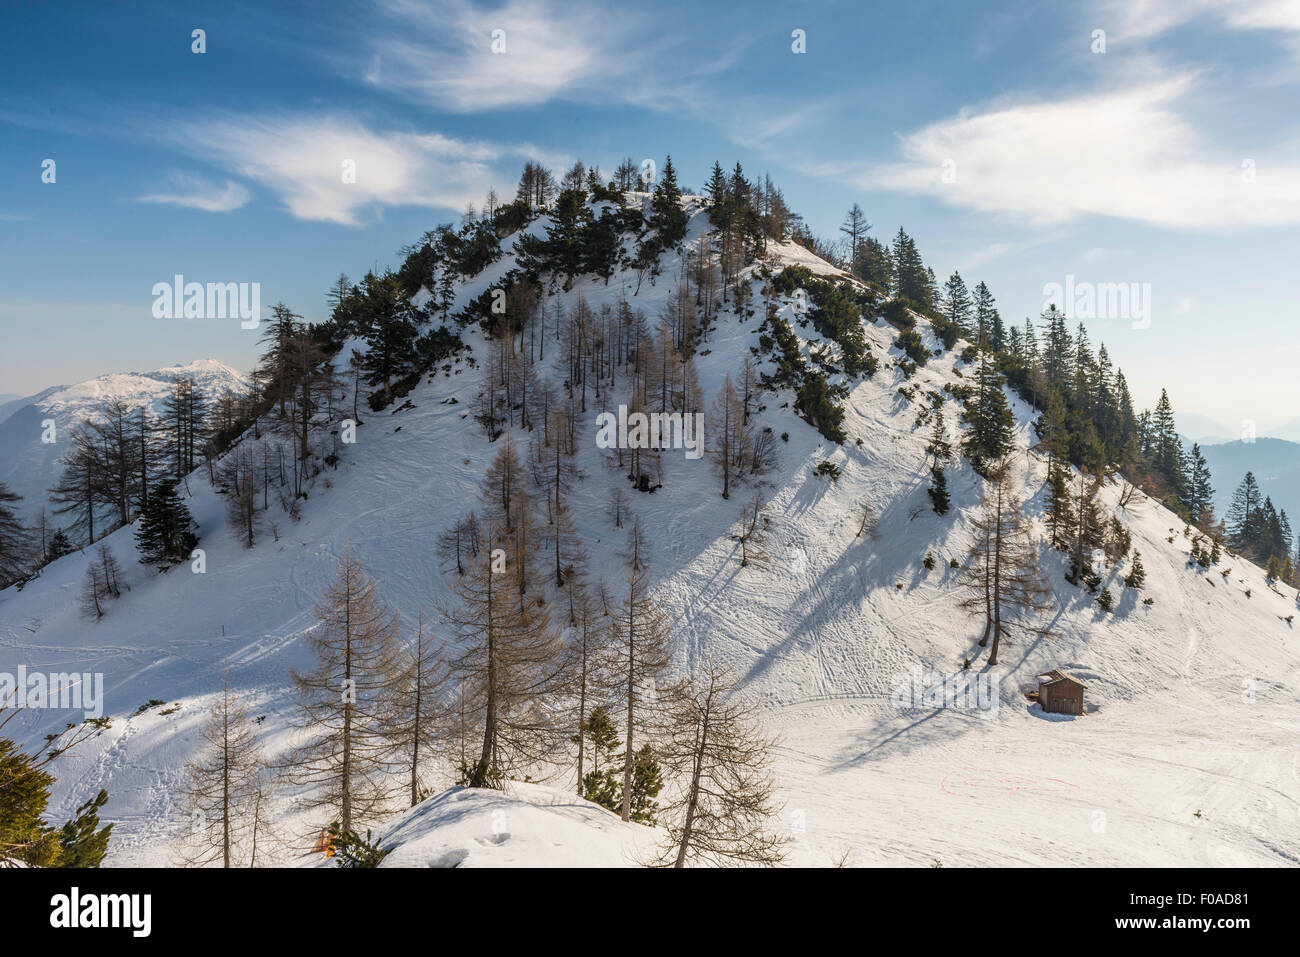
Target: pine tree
(25, 785)
(599, 738)
(165, 535)
(647, 781)
(939, 448)
(58, 547)
(939, 499)
(183, 426)
(282, 328)
(667, 216)
(1060, 514)
(989, 417)
(1245, 514)
(1167, 457)
(1200, 493)
(985, 318)
(390, 335)
(1137, 575)
(957, 304)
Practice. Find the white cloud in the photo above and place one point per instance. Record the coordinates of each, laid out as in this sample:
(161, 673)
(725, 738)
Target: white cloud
(442, 54)
(302, 161)
(1140, 19)
(195, 192)
(1125, 154)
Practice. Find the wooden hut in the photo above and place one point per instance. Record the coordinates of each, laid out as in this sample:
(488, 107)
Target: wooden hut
(1058, 693)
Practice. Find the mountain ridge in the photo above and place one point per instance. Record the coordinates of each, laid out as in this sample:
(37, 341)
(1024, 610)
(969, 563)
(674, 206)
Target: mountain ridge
(820, 636)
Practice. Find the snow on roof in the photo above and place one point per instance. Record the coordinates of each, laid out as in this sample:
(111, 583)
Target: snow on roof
(1055, 677)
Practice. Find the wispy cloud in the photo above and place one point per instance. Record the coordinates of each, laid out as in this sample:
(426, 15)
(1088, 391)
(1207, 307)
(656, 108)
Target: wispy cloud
(196, 192)
(457, 57)
(334, 168)
(1140, 19)
(1126, 154)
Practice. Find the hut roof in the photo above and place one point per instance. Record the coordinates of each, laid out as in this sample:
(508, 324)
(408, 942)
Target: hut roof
(1056, 677)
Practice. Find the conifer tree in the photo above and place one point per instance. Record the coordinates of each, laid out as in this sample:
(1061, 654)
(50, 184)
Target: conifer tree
(510, 661)
(1060, 514)
(939, 448)
(723, 810)
(1245, 513)
(667, 216)
(855, 227)
(1137, 575)
(1002, 572)
(184, 426)
(346, 699)
(1167, 452)
(165, 535)
(101, 583)
(986, 319)
(16, 552)
(989, 417)
(1089, 530)
(599, 738)
(957, 304)
(224, 787)
(938, 491)
(642, 643)
(422, 711)
(59, 546)
(25, 784)
(590, 662)
(79, 491)
(732, 439)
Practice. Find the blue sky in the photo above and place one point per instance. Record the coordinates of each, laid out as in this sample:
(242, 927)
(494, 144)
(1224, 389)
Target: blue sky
(1170, 159)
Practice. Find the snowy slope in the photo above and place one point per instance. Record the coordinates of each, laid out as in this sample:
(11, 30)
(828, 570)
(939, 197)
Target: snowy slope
(1189, 759)
(528, 825)
(29, 467)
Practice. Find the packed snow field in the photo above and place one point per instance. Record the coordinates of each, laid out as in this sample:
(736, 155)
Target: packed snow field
(1188, 756)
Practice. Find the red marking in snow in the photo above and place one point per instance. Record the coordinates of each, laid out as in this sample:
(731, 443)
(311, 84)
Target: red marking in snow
(957, 783)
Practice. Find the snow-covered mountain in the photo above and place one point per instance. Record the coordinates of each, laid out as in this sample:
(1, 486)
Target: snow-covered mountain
(1187, 760)
(30, 466)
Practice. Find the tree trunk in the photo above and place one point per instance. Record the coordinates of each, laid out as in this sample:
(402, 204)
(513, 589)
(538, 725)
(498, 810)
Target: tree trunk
(696, 773)
(997, 581)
